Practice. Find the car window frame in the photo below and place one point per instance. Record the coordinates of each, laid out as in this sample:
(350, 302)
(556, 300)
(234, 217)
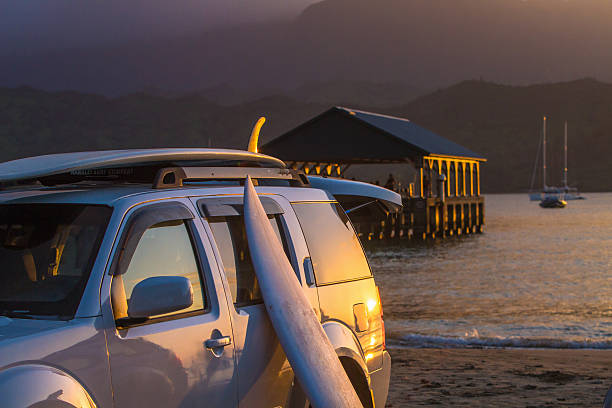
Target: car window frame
(152, 215)
(273, 208)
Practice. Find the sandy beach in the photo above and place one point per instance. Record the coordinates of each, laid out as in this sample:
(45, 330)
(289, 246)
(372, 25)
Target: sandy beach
(499, 377)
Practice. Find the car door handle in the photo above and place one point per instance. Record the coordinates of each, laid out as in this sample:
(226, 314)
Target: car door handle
(217, 343)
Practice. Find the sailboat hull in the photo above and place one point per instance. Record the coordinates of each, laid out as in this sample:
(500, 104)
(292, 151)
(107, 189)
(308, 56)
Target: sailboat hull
(552, 202)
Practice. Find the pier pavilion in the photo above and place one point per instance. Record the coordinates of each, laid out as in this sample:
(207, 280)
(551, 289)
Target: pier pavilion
(445, 198)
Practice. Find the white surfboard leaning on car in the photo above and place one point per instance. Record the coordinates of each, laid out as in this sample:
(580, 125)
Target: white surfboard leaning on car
(309, 351)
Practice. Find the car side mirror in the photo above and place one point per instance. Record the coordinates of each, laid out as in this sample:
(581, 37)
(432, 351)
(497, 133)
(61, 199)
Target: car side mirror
(159, 295)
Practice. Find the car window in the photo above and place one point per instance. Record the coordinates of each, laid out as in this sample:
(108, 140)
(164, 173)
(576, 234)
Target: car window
(230, 236)
(334, 248)
(47, 251)
(165, 249)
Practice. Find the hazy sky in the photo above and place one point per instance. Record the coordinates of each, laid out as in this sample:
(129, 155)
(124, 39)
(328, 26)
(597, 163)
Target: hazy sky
(28, 26)
(155, 44)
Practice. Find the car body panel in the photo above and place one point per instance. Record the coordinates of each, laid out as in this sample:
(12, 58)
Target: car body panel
(72, 194)
(166, 363)
(337, 303)
(14, 329)
(379, 381)
(345, 343)
(129, 195)
(264, 373)
(77, 347)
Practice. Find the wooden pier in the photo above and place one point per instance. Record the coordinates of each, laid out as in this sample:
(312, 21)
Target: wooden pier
(425, 218)
(445, 198)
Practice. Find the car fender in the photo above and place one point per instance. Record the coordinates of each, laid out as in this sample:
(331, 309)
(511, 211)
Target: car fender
(345, 344)
(41, 386)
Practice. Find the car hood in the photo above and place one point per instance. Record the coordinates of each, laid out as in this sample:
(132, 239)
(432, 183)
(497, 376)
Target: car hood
(11, 328)
(39, 340)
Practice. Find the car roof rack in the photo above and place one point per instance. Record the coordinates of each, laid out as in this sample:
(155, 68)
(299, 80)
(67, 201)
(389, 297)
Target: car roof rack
(164, 168)
(174, 177)
(173, 168)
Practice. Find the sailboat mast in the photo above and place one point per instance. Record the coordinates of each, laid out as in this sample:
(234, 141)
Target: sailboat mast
(565, 159)
(544, 156)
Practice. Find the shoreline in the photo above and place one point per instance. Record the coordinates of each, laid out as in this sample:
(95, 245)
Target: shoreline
(499, 377)
(394, 346)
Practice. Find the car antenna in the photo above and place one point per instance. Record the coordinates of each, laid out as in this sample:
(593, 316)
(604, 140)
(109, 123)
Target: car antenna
(255, 135)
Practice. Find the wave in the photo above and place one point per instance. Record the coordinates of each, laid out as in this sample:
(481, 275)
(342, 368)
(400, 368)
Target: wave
(424, 341)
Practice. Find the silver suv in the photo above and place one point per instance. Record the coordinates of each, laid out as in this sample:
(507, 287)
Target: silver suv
(127, 281)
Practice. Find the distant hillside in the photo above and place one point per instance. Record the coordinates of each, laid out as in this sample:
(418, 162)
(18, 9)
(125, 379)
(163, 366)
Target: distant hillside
(38, 122)
(502, 122)
(423, 43)
(505, 124)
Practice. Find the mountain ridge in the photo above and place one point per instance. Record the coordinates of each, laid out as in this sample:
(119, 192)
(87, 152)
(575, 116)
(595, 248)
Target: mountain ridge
(502, 122)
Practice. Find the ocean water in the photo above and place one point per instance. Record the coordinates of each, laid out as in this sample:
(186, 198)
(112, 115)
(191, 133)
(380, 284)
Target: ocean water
(536, 278)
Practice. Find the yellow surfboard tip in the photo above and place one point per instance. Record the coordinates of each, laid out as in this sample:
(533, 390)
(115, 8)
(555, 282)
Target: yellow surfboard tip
(255, 135)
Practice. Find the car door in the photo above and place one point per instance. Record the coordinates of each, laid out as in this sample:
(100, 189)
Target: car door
(183, 358)
(264, 374)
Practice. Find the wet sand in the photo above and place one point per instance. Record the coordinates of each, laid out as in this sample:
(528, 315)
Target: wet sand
(499, 377)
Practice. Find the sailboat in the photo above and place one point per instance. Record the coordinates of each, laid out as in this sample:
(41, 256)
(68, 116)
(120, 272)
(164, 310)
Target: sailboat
(568, 193)
(551, 194)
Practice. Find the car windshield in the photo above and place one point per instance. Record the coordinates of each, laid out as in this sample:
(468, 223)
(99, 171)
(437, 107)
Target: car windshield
(46, 253)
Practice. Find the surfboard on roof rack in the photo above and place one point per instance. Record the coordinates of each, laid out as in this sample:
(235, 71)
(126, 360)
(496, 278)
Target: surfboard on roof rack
(82, 163)
(171, 168)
